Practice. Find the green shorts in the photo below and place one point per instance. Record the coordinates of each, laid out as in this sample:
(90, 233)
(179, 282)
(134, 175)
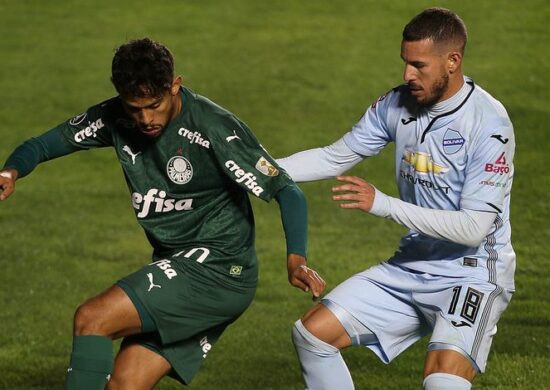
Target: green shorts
(190, 304)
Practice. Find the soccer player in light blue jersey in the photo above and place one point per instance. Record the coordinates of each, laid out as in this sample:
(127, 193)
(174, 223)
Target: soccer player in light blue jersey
(452, 276)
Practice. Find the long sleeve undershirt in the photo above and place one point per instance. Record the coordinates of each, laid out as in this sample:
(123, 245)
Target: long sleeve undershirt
(292, 203)
(467, 227)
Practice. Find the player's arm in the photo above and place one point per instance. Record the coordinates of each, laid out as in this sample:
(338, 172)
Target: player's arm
(367, 137)
(466, 227)
(320, 163)
(28, 155)
(292, 203)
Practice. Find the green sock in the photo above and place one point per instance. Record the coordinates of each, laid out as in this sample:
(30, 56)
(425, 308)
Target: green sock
(91, 363)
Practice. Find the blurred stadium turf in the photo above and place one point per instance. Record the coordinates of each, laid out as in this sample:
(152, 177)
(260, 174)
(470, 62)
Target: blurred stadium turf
(300, 73)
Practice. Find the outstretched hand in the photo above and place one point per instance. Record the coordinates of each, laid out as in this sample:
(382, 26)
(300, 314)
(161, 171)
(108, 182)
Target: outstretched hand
(303, 277)
(7, 183)
(359, 192)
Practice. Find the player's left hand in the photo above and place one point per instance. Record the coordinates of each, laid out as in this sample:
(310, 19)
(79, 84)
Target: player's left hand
(303, 277)
(359, 192)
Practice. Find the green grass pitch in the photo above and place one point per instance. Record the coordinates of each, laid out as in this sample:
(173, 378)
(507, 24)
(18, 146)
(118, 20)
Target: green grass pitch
(300, 73)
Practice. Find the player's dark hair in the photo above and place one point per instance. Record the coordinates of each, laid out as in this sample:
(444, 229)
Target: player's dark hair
(440, 25)
(142, 68)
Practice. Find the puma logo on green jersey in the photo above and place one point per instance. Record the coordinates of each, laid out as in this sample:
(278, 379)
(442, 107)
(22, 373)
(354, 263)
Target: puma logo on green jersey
(156, 201)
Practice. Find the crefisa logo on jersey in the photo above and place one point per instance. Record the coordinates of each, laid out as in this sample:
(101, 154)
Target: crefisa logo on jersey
(194, 137)
(90, 131)
(247, 178)
(155, 201)
(179, 170)
(452, 141)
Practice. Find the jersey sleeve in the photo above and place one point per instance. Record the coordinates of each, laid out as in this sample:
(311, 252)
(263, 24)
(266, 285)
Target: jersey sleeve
(371, 134)
(245, 161)
(88, 130)
(78, 133)
(490, 170)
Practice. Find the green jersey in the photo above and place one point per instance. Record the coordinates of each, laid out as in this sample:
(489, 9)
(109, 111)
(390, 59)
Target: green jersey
(189, 185)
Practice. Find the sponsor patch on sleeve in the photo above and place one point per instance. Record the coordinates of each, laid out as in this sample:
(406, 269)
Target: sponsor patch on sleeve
(266, 167)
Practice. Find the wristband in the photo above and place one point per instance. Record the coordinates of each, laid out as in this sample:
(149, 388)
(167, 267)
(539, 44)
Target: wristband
(6, 174)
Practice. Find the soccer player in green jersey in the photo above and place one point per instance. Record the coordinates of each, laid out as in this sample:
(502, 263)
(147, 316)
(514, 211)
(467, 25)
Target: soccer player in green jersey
(189, 165)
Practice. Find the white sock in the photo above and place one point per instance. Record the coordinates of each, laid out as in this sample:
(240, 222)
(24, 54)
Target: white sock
(323, 367)
(442, 381)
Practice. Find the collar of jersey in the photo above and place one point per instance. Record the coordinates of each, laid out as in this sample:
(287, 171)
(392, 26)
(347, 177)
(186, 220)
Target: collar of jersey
(452, 102)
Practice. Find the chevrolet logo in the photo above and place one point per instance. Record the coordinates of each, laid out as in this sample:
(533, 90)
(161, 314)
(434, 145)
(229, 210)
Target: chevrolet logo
(423, 163)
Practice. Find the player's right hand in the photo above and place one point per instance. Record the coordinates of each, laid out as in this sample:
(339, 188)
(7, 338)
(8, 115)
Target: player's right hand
(303, 277)
(7, 183)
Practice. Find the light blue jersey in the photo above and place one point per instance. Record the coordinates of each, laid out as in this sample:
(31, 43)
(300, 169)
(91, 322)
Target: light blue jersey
(455, 155)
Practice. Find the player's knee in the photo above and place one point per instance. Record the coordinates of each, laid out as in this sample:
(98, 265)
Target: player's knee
(444, 381)
(121, 381)
(451, 362)
(87, 321)
(305, 340)
(116, 383)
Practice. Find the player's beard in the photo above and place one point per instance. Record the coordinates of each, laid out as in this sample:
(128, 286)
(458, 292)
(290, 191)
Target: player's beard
(437, 91)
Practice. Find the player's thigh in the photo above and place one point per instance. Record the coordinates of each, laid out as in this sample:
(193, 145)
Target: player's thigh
(111, 313)
(464, 313)
(379, 298)
(185, 356)
(137, 368)
(183, 299)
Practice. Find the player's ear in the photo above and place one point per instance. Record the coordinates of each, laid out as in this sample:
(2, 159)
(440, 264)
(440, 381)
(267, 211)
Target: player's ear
(454, 60)
(176, 84)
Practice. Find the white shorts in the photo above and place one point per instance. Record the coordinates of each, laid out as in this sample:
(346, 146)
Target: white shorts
(400, 306)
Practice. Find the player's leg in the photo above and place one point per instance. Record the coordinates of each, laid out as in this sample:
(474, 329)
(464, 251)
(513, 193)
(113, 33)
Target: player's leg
(448, 369)
(318, 338)
(111, 314)
(373, 309)
(188, 304)
(137, 368)
(466, 313)
(108, 315)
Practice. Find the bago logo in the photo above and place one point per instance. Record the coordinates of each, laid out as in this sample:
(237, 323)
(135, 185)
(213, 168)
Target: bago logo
(155, 201)
(247, 178)
(500, 166)
(89, 131)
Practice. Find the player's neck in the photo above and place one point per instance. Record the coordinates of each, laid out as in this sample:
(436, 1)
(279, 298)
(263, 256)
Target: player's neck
(452, 101)
(177, 105)
(456, 82)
